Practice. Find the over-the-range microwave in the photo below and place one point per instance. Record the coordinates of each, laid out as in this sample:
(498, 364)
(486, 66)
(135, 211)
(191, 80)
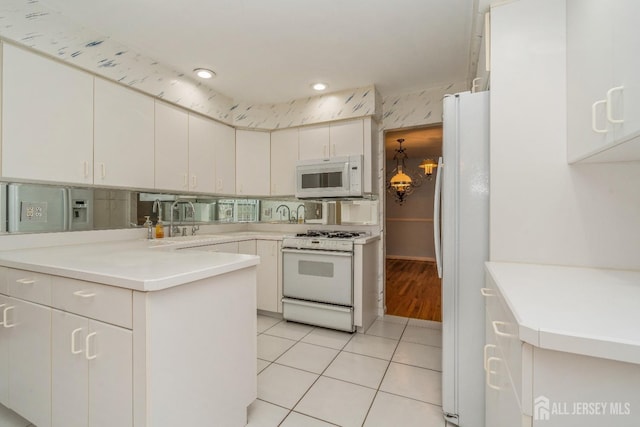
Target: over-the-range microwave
(334, 177)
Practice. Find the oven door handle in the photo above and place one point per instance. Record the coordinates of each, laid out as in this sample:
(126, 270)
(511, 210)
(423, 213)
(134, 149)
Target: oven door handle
(316, 252)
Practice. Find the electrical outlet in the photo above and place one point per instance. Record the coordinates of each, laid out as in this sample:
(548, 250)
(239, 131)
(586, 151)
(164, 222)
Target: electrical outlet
(34, 211)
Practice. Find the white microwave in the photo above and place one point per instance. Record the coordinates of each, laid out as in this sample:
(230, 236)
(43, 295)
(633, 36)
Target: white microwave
(334, 177)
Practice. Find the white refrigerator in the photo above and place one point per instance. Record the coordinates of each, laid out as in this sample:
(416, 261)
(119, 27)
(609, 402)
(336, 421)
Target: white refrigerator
(461, 221)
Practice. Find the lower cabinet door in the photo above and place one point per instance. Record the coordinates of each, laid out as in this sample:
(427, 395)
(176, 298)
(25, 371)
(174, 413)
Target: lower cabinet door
(4, 356)
(109, 350)
(70, 370)
(29, 333)
(267, 272)
(92, 373)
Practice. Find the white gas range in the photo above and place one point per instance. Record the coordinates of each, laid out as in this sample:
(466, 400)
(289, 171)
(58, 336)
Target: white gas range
(318, 278)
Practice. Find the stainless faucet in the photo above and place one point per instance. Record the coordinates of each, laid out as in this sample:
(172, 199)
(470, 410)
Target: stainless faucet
(175, 230)
(304, 212)
(288, 211)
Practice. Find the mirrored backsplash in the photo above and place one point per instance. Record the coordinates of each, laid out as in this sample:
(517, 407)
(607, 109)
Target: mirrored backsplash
(39, 208)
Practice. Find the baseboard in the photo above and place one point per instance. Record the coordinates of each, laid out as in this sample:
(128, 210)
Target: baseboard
(411, 258)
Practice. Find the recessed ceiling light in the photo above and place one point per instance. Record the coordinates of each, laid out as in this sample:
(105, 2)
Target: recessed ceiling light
(203, 73)
(319, 86)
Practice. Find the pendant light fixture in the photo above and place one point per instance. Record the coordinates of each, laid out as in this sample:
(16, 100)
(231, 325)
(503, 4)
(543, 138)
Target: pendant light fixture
(403, 181)
(428, 165)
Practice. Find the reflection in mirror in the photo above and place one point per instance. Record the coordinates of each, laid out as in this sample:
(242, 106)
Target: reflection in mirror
(40, 208)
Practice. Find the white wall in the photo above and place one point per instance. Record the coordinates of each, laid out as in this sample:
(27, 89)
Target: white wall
(543, 210)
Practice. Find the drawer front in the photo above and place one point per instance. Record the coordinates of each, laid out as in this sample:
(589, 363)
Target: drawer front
(101, 302)
(229, 247)
(504, 327)
(29, 286)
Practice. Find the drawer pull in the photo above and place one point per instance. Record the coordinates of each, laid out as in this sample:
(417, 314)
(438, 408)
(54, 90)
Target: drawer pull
(26, 281)
(87, 344)
(490, 372)
(486, 348)
(496, 328)
(2, 322)
(487, 292)
(84, 294)
(73, 341)
(5, 317)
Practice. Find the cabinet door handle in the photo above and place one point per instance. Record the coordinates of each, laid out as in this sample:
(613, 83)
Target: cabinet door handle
(324, 151)
(73, 341)
(87, 346)
(194, 181)
(334, 150)
(103, 171)
(26, 281)
(185, 180)
(610, 104)
(84, 294)
(487, 292)
(594, 108)
(485, 351)
(496, 328)
(490, 372)
(5, 316)
(86, 169)
(2, 321)
(220, 186)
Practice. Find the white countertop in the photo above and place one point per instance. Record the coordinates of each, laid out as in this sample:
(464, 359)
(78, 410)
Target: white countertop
(594, 312)
(134, 265)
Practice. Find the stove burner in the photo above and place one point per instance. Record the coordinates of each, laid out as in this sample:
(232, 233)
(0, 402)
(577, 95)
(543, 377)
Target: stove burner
(331, 234)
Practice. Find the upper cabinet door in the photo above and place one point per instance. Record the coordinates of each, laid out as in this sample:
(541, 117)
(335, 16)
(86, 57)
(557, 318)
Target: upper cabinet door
(202, 164)
(123, 136)
(253, 153)
(47, 119)
(314, 142)
(346, 138)
(603, 81)
(284, 154)
(171, 148)
(225, 158)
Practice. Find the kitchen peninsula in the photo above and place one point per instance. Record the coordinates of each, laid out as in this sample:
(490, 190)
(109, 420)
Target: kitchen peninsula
(129, 333)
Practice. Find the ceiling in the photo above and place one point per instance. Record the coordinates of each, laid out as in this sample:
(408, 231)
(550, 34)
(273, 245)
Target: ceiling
(270, 51)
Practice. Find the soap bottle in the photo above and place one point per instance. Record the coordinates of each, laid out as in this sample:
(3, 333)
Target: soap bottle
(149, 225)
(159, 229)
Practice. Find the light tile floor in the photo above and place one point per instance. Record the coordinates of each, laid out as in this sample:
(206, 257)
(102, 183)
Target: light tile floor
(315, 377)
(389, 376)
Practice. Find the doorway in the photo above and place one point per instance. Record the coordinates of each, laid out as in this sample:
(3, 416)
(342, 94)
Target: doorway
(412, 286)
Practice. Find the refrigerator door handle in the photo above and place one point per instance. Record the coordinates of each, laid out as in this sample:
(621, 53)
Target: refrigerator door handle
(66, 208)
(437, 201)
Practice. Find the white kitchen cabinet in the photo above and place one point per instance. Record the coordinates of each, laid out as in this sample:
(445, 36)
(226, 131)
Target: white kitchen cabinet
(202, 174)
(4, 354)
(269, 292)
(603, 81)
(284, 154)
(123, 136)
(253, 164)
(332, 140)
(28, 328)
(314, 142)
(225, 158)
(527, 385)
(247, 247)
(47, 119)
(171, 148)
(91, 372)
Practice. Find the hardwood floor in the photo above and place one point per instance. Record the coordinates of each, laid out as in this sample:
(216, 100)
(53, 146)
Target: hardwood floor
(413, 289)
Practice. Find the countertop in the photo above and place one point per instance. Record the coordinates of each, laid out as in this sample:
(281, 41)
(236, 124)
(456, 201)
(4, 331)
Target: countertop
(133, 265)
(594, 312)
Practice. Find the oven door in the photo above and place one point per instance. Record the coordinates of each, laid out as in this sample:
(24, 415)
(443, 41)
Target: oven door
(321, 276)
